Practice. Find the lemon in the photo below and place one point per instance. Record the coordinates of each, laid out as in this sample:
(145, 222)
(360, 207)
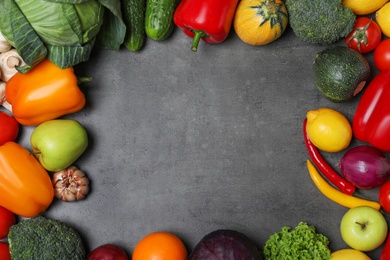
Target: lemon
(328, 129)
(382, 18)
(349, 254)
(363, 7)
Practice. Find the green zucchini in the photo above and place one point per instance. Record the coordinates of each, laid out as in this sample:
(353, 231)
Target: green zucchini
(340, 73)
(159, 18)
(133, 13)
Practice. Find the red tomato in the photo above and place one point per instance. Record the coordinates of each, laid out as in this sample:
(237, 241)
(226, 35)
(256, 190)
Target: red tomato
(365, 36)
(4, 251)
(384, 196)
(382, 55)
(9, 128)
(7, 219)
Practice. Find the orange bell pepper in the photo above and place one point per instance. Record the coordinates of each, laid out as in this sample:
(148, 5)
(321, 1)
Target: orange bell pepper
(45, 92)
(25, 186)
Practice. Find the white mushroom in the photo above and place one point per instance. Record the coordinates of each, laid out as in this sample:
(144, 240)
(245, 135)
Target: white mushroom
(8, 61)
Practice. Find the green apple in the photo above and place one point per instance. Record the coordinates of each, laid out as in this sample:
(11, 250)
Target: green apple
(363, 228)
(58, 143)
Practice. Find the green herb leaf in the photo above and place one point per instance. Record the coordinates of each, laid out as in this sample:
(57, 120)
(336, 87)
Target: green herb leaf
(300, 243)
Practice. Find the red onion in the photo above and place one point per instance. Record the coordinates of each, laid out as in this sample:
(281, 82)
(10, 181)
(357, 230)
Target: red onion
(365, 167)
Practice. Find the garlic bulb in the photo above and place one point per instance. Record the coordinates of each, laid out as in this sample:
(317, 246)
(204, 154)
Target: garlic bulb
(4, 44)
(70, 184)
(8, 61)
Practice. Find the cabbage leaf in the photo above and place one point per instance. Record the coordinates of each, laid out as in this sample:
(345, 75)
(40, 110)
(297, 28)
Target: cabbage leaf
(64, 31)
(113, 31)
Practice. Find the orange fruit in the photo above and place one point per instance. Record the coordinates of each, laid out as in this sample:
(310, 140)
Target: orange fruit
(160, 246)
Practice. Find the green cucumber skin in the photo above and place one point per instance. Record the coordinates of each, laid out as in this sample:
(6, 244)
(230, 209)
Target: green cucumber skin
(134, 18)
(159, 18)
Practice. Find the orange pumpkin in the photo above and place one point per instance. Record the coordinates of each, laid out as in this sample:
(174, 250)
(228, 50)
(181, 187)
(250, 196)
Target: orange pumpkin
(259, 22)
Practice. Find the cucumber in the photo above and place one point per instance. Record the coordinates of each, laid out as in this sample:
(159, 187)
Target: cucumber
(340, 73)
(133, 13)
(159, 19)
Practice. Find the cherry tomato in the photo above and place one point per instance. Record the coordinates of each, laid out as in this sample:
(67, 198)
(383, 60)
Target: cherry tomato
(9, 128)
(7, 219)
(384, 196)
(382, 55)
(365, 36)
(4, 251)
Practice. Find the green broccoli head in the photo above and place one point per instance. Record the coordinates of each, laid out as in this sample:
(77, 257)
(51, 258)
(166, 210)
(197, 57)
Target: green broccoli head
(320, 21)
(44, 238)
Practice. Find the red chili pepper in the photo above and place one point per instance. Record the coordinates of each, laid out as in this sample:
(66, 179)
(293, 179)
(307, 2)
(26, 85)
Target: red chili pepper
(209, 20)
(371, 122)
(385, 255)
(316, 157)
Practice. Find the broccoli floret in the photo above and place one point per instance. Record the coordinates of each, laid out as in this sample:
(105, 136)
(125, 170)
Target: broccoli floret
(44, 238)
(320, 21)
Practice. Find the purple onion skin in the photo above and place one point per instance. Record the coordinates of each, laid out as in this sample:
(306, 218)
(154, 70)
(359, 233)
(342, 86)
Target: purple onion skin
(225, 244)
(365, 167)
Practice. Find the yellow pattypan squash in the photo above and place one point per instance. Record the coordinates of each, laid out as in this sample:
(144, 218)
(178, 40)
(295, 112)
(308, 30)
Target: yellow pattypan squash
(259, 22)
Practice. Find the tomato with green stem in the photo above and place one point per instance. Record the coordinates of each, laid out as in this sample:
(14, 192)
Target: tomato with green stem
(365, 36)
(382, 55)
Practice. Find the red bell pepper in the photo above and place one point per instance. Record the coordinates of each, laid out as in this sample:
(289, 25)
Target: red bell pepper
(385, 255)
(209, 20)
(371, 122)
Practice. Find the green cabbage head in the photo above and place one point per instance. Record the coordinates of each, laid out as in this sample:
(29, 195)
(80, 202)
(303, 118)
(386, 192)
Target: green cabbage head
(64, 31)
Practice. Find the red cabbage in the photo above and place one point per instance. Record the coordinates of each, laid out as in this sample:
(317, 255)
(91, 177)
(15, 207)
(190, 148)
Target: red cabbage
(225, 244)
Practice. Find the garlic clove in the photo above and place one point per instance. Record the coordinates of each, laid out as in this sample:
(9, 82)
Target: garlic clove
(7, 106)
(4, 44)
(2, 92)
(3, 100)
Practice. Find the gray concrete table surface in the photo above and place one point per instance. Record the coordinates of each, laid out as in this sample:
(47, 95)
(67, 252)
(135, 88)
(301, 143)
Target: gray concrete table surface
(191, 142)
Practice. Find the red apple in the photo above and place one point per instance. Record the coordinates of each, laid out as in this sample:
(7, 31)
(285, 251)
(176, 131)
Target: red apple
(108, 252)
